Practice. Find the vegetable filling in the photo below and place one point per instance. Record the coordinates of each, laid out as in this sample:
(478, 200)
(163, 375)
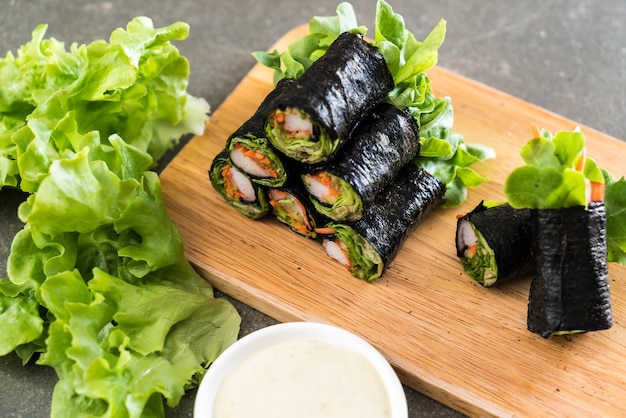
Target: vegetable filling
(354, 252)
(252, 162)
(294, 134)
(478, 260)
(237, 185)
(333, 197)
(290, 210)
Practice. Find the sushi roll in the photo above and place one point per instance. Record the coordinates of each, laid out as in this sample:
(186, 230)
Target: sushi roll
(236, 187)
(384, 141)
(313, 118)
(570, 291)
(250, 150)
(564, 190)
(493, 242)
(367, 247)
(291, 205)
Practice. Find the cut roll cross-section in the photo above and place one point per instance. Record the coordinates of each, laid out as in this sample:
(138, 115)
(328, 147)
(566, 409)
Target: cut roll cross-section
(236, 187)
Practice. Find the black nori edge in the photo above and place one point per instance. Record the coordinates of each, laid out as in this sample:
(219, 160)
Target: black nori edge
(255, 125)
(254, 128)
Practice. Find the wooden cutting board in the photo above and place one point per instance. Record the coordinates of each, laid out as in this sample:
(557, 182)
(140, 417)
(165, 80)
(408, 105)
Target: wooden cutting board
(447, 337)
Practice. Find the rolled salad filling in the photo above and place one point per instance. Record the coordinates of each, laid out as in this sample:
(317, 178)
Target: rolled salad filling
(291, 211)
(354, 252)
(237, 188)
(478, 259)
(294, 133)
(253, 160)
(333, 196)
(237, 185)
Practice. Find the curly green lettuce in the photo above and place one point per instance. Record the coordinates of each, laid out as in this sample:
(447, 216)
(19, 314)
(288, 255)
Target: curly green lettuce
(98, 285)
(615, 204)
(443, 154)
(556, 174)
(143, 100)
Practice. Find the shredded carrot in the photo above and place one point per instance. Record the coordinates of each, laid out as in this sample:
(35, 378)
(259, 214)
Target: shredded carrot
(597, 191)
(580, 164)
(535, 130)
(326, 230)
(460, 215)
(259, 159)
(324, 178)
(470, 251)
(301, 225)
(229, 185)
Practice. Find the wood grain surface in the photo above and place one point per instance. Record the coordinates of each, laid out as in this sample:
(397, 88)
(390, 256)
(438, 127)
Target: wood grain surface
(446, 336)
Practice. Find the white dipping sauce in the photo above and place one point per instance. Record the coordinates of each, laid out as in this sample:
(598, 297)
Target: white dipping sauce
(303, 378)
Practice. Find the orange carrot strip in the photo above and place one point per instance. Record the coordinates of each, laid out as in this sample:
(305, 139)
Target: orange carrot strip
(325, 230)
(597, 191)
(580, 164)
(325, 179)
(535, 130)
(229, 184)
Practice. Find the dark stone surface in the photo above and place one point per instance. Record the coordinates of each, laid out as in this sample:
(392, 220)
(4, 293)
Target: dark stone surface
(566, 56)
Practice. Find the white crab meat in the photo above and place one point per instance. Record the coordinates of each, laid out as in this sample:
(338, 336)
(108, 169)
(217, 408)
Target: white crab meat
(465, 235)
(243, 184)
(334, 251)
(318, 190)
(295, 123)
(246, 164)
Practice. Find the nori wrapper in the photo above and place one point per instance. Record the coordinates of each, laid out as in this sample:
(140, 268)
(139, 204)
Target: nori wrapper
(395, 213)
(337, 90)
(384, 142)
(569, 291)
(507, 232)
(253, 210)
(251, 134)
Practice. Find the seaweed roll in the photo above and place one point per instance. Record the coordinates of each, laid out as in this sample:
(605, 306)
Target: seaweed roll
(569, 292)
(250, 150)
(366, 247)
(385, 141)
(564, 190)
(291, 205)
(237, 188)
(493, 242)
(314, 116)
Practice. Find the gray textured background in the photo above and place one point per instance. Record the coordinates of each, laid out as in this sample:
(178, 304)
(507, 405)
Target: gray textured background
(566, 56)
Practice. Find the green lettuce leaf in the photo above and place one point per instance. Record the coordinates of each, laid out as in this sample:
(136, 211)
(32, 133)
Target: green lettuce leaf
(615, 204)
(443, 152)
(98, 284)
(144, 100)
(556, 173)
(124, 343)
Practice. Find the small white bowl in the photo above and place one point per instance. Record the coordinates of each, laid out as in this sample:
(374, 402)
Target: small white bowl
(237, 353)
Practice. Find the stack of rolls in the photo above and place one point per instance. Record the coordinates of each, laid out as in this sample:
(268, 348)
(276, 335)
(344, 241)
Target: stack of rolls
(330, 158)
